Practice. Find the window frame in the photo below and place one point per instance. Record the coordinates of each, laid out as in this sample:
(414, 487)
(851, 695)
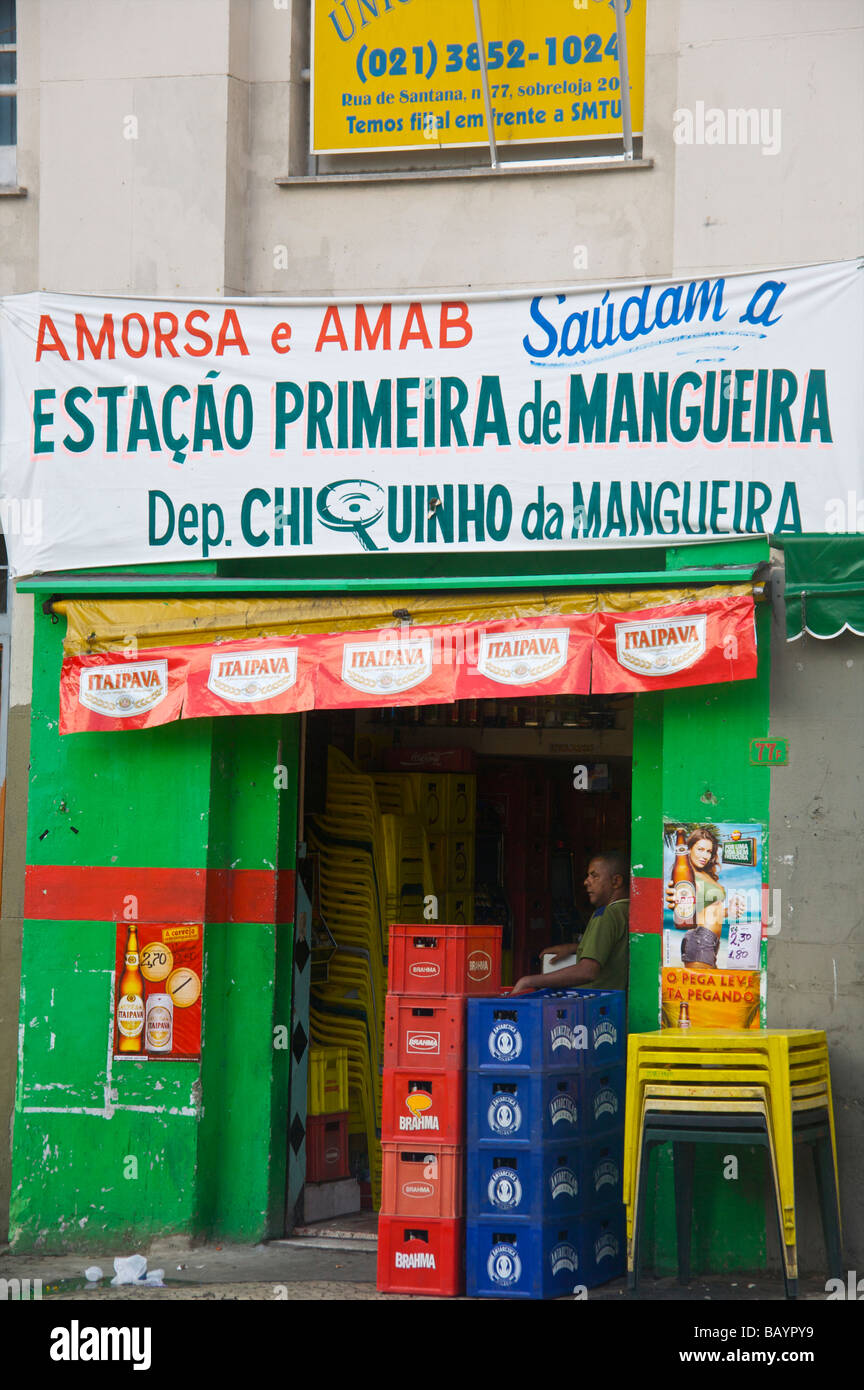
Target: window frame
(9, 161)
(605, 152)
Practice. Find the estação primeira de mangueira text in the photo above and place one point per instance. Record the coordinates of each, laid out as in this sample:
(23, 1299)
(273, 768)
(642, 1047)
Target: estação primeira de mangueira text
(764, 406)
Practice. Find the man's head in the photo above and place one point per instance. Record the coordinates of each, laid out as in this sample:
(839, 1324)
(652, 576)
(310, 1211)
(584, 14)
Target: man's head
(607, 879)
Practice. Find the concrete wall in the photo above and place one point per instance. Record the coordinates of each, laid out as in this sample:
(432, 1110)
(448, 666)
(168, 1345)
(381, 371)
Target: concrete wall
(816, 961)
(152, 134)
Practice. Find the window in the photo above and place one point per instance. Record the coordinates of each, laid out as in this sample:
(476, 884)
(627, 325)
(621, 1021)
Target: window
(467, 86)
(8, 92)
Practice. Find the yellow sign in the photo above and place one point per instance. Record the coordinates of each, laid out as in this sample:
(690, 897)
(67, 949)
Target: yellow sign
(405, 74)
(180, 933)
(714, 998)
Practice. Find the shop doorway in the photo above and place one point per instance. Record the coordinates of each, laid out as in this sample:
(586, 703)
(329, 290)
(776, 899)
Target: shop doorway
(482, 811)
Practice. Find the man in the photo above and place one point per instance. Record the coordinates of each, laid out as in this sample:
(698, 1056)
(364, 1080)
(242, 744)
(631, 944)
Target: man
(600, 960)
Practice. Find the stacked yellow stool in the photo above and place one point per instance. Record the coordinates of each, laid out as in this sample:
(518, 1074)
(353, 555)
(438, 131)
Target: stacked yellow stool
(712, 1085)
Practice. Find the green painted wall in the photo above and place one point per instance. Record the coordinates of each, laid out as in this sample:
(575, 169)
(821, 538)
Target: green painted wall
(691, 761)
(210, 1143)
(243, 1133)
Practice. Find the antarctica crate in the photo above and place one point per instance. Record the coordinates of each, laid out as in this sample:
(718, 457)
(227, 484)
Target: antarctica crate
(526, 1108)
(532, 1184)
(563, 1029)
(543, 1259)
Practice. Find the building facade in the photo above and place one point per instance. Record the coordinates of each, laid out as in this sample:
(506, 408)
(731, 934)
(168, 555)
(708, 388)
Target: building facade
(169, 157)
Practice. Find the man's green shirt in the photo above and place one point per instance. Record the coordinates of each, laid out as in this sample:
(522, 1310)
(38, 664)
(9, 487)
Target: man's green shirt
(606, 939)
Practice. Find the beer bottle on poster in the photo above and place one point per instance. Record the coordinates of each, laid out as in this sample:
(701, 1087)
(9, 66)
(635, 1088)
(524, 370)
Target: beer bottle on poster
(683, 884)
(130, 997)
(684, 1014)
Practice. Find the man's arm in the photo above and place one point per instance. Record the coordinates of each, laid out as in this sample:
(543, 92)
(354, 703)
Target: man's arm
(584, 972)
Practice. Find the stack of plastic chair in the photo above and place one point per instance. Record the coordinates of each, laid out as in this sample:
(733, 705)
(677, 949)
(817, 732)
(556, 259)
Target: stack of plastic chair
(545, 1145)
(408, 872)
(770, 1088)
(395, 791)
(348, 1010)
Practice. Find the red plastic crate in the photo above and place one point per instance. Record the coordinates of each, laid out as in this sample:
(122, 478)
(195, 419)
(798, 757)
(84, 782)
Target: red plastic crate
(428, 1105)
(439, 959)
(428, 1030)
(327, 1147)
(422, 1182)
(421, 1256)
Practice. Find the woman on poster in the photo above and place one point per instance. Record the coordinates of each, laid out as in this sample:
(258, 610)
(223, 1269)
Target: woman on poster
(702, 942)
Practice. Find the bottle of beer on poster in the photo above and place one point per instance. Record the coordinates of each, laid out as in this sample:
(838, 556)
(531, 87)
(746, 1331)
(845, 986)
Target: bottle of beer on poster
(130, 997)
(684, 1014)
(683, 885)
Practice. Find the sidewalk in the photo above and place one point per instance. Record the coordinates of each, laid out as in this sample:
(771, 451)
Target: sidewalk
(315, 1267)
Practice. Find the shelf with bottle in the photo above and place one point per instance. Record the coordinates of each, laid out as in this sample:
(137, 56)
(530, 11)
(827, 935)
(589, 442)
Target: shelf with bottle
(536, 712)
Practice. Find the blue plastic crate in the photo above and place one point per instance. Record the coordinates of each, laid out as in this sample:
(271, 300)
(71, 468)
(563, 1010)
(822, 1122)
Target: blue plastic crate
(514, 1107)
(532, 1184)
(543, 1259)
(565, 1030)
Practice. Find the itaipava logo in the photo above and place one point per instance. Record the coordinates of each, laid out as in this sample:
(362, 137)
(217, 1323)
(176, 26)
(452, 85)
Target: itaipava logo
(522, 658)
(661, 647)
(246, 677)
(125, 690)
(388, 666)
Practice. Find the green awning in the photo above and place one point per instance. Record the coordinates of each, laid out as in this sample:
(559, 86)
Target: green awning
(824, 585)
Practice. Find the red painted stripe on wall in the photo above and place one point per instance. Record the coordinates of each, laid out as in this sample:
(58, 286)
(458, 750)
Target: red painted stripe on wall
(646, 905)
(82, 893)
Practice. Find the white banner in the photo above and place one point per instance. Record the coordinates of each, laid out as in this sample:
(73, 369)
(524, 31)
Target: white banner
(651, 413)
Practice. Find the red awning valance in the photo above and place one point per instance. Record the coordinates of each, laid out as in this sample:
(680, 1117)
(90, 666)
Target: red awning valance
(678, 644)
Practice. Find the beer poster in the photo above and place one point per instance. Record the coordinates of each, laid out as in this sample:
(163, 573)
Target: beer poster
(157, 991)
(712, 924)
